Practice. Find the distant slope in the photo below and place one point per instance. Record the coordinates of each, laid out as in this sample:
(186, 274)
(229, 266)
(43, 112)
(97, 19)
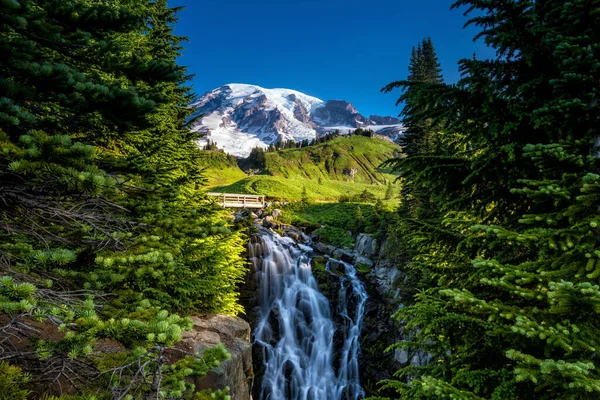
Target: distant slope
(220, 168)
(343, 166)
(346, 159)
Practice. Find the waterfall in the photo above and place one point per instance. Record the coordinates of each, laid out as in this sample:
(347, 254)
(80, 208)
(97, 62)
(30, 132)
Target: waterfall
(352, 293)
(295, 326)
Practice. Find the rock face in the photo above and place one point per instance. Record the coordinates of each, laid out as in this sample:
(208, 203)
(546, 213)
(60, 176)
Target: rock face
(238, 117)
(234, 333)
(366, 245)
(339, 113)
(383, 280)
(385, 120)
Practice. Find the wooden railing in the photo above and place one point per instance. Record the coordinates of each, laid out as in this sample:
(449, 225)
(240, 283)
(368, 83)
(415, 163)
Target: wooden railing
(232, 200)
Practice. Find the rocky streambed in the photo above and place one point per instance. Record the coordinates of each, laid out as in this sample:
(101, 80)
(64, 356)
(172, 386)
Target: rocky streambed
(382, 280)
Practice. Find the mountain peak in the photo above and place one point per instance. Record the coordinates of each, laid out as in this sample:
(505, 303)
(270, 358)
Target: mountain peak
(238, 117)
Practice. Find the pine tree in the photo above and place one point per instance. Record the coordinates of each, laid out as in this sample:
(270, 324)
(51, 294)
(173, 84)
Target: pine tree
(375, 219)
(424, 71)
(106, 230)
(304, 196)
(431, 69)
(506, 303)
(359, 220)
(13, 382)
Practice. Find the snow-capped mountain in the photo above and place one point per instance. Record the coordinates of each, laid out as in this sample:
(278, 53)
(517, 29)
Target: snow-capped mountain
(238, 117)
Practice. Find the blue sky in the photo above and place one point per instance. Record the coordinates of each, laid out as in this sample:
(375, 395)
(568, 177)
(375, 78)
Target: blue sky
(331, 49)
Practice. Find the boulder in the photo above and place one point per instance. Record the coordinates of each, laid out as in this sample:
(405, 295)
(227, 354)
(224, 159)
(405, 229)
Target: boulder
(267, 222)
(304, 238)
(361, 261)
(366, 245)
(401, 356)
(336, 267)
(234, 333)
(344, 255)
(294, 235)
(386, 279)
(322, 248)
(276, 213)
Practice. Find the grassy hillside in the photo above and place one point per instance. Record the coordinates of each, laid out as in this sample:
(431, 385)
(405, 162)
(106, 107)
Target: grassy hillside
(220, 168)
(345, 159)
(343, 166)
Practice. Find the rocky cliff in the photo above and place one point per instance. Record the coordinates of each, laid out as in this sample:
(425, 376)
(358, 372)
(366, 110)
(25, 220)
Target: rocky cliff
(383, 279)
(235, 373)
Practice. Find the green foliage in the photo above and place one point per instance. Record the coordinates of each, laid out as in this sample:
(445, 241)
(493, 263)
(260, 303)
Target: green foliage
(500, 235)
(324, 169)
(337, 215)
(359, 222)
(335, 236)
(220, 168)
(335, 223)
(13, 383)
(367, 197)
(106, 230)
(304, 199)
(333, 160)
(389, 192)
(256, 159)
(176, 376)
(424, 71)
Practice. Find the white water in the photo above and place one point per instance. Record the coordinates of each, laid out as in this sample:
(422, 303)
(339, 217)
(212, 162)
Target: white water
(295, 327)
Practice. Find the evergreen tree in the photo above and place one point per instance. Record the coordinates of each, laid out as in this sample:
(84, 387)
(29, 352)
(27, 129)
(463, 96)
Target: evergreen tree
(379, 206)
(431, 69)
(506, 280)
(304, 197)
(359, 220)
(105, 228)
(13, 383)
(375, 219)
(424, 71)
(366, 196)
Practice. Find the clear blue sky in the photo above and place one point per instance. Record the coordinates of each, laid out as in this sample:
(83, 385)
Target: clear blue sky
(331, 49)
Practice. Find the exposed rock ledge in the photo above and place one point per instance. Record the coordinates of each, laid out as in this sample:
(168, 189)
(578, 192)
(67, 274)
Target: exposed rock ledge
(234, 333)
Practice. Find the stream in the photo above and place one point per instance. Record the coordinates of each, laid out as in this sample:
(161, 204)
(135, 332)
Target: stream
(296, 325)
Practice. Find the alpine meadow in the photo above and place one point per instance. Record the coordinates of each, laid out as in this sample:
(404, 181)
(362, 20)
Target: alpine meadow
(255, 242)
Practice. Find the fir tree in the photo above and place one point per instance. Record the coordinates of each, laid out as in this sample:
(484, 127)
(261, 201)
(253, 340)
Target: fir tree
(106, 231)
(359, 220)
(375, 219)
(424, 71)
(304, 196)
(506, 280)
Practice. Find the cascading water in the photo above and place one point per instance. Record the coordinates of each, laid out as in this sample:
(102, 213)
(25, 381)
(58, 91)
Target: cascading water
(295, 327)
(352, 293)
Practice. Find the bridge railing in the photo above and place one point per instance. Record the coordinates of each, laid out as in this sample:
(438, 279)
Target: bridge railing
(233, 200)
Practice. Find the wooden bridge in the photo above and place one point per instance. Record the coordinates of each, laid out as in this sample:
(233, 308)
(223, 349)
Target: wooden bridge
(231, 200)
